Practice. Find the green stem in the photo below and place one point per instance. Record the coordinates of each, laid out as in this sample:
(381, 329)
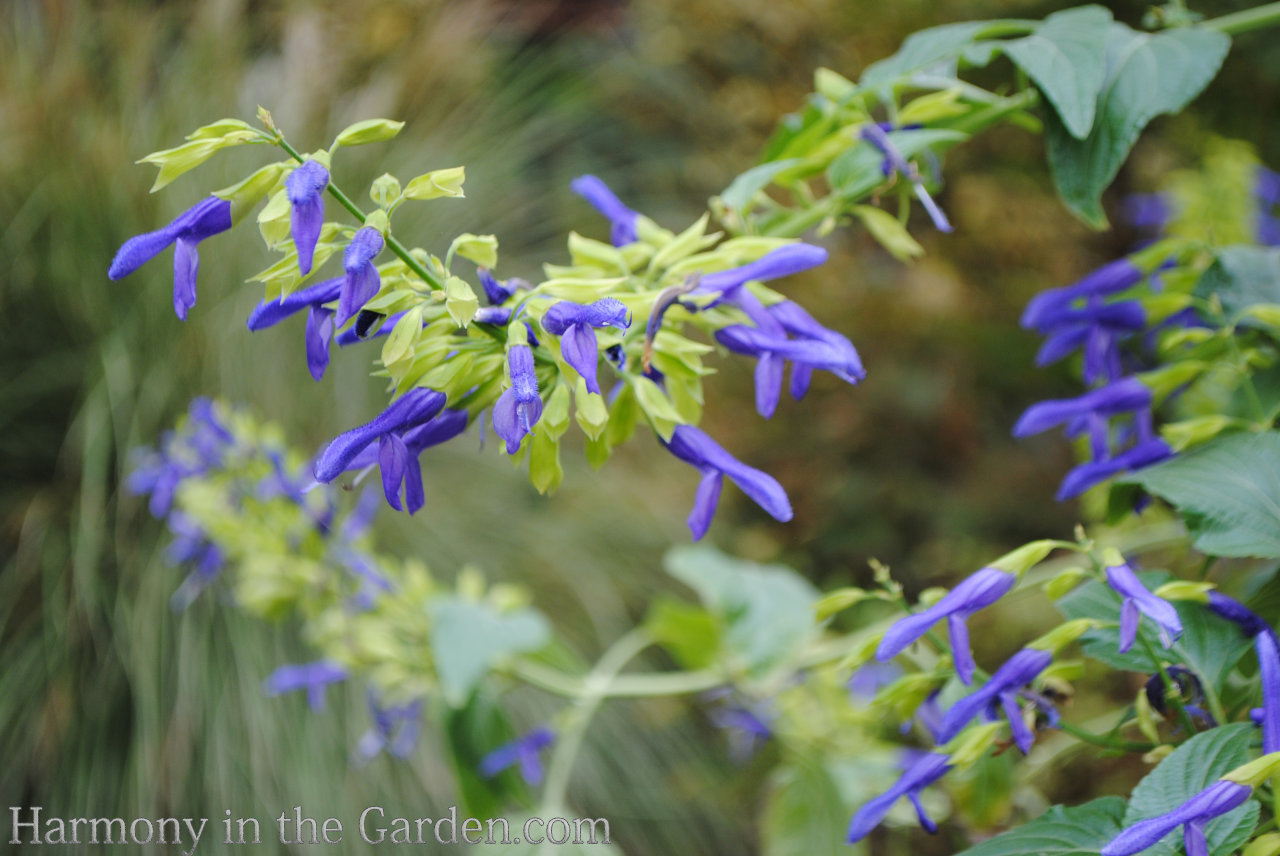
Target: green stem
(392, 241)
(596, 688)
(624, 686)
(988, 116)
(1266, 15)
(1107, 742)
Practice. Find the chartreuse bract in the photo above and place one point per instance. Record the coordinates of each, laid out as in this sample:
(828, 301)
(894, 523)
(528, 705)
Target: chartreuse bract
(1175, 346)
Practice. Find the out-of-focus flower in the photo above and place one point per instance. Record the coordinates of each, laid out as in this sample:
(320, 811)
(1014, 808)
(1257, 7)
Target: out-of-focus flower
(312, 677)
(622, 218)
(876, 134)
(395, 729)
(522, 752)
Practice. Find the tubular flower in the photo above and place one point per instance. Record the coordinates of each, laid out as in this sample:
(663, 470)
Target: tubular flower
(497, 292)
(784, 261)
(1193, 815)
(603, 200)
(1046, 308)
(320, 323)
(1139, 601)
(312, 677)
(399, 466)
(926, 770)
(894, 161)
(693, 446)
(522, 752)
(305, 189)
(206, 218)
(519, 408)
(1267, 647)
(574, 324)
(979, 590)
(1121, 396)
(815, 348)
(1001, 691)
(361, 282)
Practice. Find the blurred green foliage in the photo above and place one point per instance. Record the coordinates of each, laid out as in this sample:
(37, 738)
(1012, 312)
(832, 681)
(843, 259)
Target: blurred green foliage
(111, 703)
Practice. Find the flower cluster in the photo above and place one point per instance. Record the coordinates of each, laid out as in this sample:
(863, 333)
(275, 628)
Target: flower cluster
(1115, 415)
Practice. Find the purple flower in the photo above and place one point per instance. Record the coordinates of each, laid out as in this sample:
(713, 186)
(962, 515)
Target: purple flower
(395, 729)
(206, 218)
(1146, 211)
(1116, 276)
(784, 261)
(522, 752)
(815, 347)
(1139, 601)
(497, 292)
(1097, 329)
(1001, 691)
(361, 282)
(305, 188)
(1143, 454)
(416, 408)
(893, 160)
(312, 677)
(519, 408)
(574, 324)
(320, 322)
(1119, 397)
(1267, 648)
(1214, 801)
(693, 446)
(977, 591)
(926, 770)
(603, 200)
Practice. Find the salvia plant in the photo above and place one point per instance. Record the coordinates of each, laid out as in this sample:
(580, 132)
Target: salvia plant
(1175, 346)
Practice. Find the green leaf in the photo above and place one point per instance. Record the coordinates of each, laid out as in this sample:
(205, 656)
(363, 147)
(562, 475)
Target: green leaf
(1227, 491)
(437, 183)
(1210, 646)
(767, 610)
(472, 731)
(1064, 58)
(1061, 831)
(932, 47)
(368, 131)
(469, 638)
(741, 190)
(1241, 277)
(1147, 75)
(1191, 768)
(804, 812)
(688, 632)
(889, 232)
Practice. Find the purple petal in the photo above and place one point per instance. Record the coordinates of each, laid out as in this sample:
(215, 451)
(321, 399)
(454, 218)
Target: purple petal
(705, 502)
(413, 408)
(361, 282)
(784, 261)
(961, 653)
(305, 186)
(1268, 650)
(1022, 736)
(1118, 397)
(268, 313)
(579, 348)
(925, 771)
(186, 262)
(319, 333)
(598, 194)
(393, 459)
(608, 312)
(1108, 279)
(768, 384)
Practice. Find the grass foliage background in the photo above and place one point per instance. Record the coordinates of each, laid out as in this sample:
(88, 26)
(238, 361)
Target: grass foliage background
(112, 705)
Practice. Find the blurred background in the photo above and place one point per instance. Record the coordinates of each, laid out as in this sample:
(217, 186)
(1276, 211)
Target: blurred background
(111, 704)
